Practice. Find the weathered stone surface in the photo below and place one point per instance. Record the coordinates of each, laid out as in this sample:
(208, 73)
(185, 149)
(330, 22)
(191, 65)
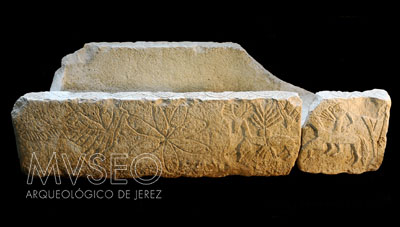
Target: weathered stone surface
(197, 133)
(192, 134)
(345, 132)
(167, 66)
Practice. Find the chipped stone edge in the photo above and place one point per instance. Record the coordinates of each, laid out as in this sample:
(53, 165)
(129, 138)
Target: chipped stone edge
(324, 95)
(306, 96)
(88, 51)
(204, 96)
(165, 44)
(19, 106)
(56, 85)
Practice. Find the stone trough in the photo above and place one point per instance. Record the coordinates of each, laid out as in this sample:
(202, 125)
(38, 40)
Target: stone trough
(191, 109)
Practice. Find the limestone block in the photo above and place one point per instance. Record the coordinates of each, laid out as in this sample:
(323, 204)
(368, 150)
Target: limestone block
(200, 108)
(192, 134)
(167, 66)
(345, 132)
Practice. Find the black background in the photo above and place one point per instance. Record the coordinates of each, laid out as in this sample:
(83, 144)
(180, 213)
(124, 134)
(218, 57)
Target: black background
(346, 53)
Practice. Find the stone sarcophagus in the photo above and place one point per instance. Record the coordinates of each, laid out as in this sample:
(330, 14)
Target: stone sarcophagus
(191, 109)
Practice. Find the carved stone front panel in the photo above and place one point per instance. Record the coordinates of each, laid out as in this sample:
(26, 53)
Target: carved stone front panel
(215, 134)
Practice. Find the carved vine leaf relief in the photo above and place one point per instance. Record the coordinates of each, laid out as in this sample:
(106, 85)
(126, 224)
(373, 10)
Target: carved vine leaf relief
(254, 132)
(94, 127)
(170, 131)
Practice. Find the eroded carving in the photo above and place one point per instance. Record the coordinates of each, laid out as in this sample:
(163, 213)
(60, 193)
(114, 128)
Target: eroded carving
(263, 126)
(191, 137)
(342, 135)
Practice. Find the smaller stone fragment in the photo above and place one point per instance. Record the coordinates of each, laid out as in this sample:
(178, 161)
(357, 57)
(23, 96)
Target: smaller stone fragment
(345, 132)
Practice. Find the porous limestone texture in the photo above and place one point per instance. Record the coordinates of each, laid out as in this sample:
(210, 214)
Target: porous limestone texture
(200, 109)
(345, 132)
(167, 66)
(192, 134)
